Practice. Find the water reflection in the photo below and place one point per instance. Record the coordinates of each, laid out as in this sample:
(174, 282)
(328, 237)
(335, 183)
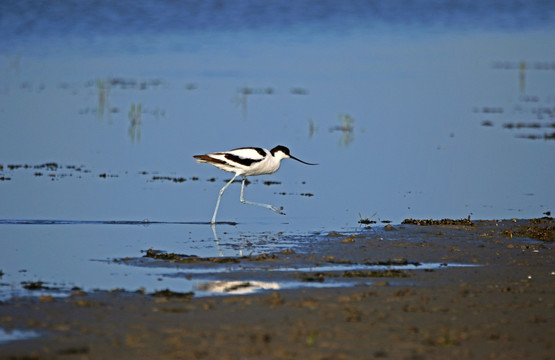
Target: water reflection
(522, 76)
(191, 86)
(105, 88)
(242, 95)
(15, 334)
(298, 91)
(532, 115)
(134, 115)
(346, 128)
(217, 240)
(236, 287)
(312, 128)
(14, 62)
(103, 99)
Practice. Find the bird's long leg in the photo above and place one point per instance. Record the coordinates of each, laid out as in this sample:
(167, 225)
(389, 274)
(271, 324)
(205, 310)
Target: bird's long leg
(267, 206)
(220, 197)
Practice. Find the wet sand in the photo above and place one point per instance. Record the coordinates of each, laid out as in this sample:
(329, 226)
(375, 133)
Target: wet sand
(501, 309)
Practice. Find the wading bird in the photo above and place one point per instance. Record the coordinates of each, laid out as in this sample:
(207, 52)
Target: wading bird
(247, 161)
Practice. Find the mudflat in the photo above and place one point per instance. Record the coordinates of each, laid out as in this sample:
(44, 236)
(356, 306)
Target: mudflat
(502, 307)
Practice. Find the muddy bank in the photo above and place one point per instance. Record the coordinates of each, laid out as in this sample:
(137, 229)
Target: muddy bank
(501, 309)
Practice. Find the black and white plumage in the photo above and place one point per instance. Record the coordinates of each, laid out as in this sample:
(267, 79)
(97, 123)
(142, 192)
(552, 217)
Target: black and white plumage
(247, 161)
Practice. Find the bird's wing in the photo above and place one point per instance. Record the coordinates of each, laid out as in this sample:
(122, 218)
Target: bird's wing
(252, 153)
(244, 157)
(235, 159)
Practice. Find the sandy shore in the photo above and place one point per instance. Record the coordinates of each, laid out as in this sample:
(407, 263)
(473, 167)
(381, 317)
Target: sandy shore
(501, 309)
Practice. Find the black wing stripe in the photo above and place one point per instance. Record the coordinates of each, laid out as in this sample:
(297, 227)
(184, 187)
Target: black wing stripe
(240, 160)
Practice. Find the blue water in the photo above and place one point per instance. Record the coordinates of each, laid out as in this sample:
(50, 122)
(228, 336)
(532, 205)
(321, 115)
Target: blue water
(145, 26)
(406, 105)
(13, 335)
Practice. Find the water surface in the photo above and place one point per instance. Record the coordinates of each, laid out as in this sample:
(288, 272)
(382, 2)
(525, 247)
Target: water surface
(416, 109)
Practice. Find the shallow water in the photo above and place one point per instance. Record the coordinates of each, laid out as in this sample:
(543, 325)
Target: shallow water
(252, 283)
(60, 259)
(407, 109)
(13, 335)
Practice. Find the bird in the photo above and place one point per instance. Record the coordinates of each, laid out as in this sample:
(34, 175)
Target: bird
(247, 161)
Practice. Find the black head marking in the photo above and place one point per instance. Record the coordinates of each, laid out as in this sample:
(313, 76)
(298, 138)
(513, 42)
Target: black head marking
(285, 150)
(281, 148)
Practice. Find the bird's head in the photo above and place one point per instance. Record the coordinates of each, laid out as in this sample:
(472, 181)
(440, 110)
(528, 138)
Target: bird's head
(282, 152)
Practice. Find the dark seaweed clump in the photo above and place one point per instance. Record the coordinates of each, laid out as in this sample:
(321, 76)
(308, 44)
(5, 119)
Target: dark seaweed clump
(428, 222)
(538, 232)
(181, 258)
(366, 221)
(375, 274)
(169, 178)
(33, 285)
(173, 294)
(542, 220)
